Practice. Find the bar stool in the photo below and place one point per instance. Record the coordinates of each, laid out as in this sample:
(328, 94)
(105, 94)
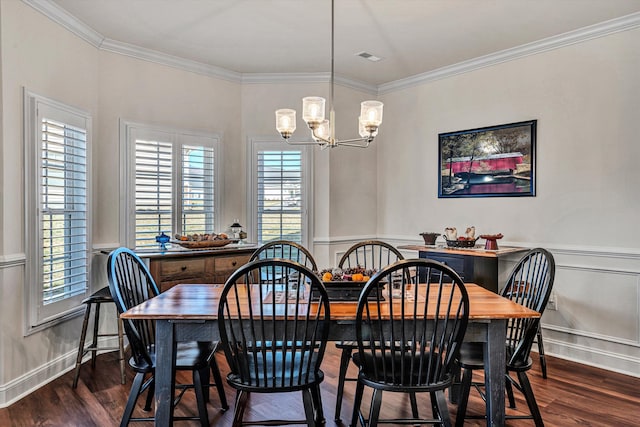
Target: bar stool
(102, 296)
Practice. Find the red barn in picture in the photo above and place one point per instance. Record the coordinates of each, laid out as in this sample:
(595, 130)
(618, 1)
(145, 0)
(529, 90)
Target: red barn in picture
(493, 163)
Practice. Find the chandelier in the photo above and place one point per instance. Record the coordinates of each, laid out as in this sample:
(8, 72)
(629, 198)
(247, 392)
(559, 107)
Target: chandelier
(323, 130)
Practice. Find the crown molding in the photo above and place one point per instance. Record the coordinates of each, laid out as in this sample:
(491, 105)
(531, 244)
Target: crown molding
(590, 32)
(57, 14)
(169, 60)
(71, 23)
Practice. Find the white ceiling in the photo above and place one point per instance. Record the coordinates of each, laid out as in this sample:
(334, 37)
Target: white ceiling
(293, 36)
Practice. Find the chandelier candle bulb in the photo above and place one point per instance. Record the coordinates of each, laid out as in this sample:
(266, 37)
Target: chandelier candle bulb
(313, 109)
(286, 122)
(371, 112)
(322, 131)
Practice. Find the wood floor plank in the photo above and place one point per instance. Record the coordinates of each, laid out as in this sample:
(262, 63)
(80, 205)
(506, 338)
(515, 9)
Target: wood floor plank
(573, 394)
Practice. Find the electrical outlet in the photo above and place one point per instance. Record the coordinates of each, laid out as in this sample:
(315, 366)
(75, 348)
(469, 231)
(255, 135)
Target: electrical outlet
(552, 304)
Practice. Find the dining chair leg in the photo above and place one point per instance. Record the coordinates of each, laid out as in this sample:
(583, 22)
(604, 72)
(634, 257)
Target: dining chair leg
(357, 400)
(465, 388)
(509, 388)
(242, 397)
(414, 405)
(345, 358)
(317, 404)
(123, 375)
(200, 397)
(376, 403)
(309, 410)
(530, 398)
(136, 386)
(443, 409)
(454, 390)
(151, 390)
(543, 360)
(217, 378)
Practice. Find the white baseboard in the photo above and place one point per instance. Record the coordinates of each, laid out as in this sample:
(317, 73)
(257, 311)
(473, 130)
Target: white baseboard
(591, 356)
(22, 386)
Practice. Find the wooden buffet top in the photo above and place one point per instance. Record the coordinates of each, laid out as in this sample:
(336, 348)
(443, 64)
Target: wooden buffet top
(476, 251)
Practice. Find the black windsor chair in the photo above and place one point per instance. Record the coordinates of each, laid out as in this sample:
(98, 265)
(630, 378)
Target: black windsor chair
(369, 254)
(287, 250)
(267, 350)
(529, 284)
(131, 284)
(408, 341)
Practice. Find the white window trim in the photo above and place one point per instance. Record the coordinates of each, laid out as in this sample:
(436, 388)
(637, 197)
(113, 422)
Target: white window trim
(37, 318)
(258, 143)
(127, 175)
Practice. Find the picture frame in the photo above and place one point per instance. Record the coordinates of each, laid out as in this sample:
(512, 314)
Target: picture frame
(493, 161)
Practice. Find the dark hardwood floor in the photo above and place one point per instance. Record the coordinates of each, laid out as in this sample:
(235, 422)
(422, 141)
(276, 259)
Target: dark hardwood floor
(573, 394)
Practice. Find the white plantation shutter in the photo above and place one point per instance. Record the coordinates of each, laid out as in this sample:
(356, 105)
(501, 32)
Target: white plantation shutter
(172, 183)
(57, 203)
(279, 196)
(153, 190)
(197, 189)
(63, 210)
(280, 187)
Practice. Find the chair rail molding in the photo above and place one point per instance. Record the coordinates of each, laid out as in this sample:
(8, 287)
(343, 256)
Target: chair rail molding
(12, 260)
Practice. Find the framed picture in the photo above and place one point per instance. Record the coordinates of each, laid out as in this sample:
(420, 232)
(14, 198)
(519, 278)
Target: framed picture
(495, 161)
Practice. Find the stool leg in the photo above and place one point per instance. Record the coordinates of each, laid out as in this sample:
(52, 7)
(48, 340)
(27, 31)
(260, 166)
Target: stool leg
(83, 335)
(94, 345)
(123, 377)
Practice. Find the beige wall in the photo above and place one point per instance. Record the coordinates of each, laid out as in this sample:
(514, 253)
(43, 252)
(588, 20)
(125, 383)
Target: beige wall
(585, 98)
(144, 92)
(50, 61)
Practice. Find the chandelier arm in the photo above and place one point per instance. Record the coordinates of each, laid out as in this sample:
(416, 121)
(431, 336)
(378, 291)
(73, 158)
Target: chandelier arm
(364, 142)
(304, 142)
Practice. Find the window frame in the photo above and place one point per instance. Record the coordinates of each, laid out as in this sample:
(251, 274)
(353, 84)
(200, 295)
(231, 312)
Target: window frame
(178, 138)
(39, 316)
(256, 144)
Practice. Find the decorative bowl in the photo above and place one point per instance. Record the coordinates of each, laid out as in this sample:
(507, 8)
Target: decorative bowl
(430, 238)
(191, 244)
(462, 243)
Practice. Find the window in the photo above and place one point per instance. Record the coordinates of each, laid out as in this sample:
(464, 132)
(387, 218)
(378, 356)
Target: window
(170, 184)
(280, 181)
(57, 181)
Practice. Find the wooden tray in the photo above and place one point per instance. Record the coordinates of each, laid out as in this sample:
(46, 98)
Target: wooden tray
(204, 243)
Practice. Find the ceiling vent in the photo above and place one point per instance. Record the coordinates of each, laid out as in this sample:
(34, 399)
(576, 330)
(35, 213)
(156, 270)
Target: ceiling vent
(368, 56)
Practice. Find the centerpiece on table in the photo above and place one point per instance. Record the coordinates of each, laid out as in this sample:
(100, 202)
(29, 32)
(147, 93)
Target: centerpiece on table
(345, 284)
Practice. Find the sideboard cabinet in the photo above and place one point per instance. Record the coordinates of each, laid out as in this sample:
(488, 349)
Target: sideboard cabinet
(170, 268)
(475, 265)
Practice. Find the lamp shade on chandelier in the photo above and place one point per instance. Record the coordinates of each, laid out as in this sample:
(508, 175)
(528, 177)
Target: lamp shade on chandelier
(322, 129)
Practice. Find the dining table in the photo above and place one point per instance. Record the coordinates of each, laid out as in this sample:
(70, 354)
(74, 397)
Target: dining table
(188, 312)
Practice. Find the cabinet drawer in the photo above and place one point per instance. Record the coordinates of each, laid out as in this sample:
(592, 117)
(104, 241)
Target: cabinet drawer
(228, 264)
(182, 269)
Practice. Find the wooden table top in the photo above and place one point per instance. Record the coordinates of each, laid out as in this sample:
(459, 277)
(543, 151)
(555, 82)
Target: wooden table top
(200, 302)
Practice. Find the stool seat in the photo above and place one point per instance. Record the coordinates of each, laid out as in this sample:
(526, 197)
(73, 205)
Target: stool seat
(102, 296)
